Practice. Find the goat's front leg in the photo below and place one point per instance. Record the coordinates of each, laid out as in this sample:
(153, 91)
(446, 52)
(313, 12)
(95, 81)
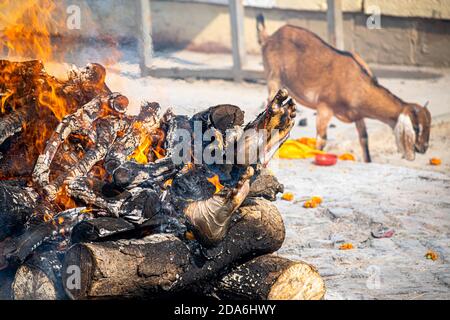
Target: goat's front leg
(363, 139)
(324, 115)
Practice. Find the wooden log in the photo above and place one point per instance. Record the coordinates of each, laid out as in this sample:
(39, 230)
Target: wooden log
(265, 185)
(12, 123)
(221, 117)
(33, 103)
(270, 277)
(83, 118)
(39, 278)
(100, 229)
(163, 264)
(16, 206)
(6, 280)
(14, 251)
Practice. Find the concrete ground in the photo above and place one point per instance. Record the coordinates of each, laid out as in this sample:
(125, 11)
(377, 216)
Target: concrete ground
(412, 198)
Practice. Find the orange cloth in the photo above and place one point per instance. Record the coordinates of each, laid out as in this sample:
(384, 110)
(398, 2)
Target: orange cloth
(298, 149)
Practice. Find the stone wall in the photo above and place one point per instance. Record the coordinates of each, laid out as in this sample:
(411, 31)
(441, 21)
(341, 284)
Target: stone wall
(401, 40)
(413, 32)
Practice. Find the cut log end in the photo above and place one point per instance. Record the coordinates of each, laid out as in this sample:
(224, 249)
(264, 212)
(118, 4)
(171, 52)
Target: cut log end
(33, 284)
(300, 281)
(39, 278)
(270, 277)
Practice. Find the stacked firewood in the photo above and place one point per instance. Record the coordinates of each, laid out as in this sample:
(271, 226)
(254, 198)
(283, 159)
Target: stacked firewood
(104, 208)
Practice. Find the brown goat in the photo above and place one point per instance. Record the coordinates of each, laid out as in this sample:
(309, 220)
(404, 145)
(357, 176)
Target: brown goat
(338, 83)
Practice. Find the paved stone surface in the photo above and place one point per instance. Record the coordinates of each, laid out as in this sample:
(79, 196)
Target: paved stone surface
(356, 199)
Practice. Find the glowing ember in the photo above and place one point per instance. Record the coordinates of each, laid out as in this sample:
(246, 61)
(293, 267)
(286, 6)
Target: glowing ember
(141, 152)
(216, 182)
(47, 217)
(5, 97)
(64, 201)
(187, 167)
(150, 142)
(168, 183)
(51, 100)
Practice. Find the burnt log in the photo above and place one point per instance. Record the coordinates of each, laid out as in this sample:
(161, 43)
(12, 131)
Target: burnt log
(164, 264)
(16, 206)
(136, 205)
(12, 123)
(39, 278)
(131, 174)
(33, 103)
(124, 145)
(265, 185)
(221, 117)
(100, 229)
(14, 251)
(6, 280)
(270, 277)
(80, 121)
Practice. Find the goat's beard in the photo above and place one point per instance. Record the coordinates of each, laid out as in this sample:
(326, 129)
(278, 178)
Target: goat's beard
(405, 137)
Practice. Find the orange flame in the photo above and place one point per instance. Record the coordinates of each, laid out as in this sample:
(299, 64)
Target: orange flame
(26, 32)
(141, 152)
(47, 217)
(216, 182)
(54, 102)
(149, 142)
(64, 201)
(5, 97)
(168, 183)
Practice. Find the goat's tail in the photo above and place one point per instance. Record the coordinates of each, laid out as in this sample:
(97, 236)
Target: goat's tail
(261, 29)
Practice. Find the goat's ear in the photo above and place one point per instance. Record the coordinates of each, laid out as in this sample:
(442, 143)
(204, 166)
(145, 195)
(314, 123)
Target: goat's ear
(405, 136)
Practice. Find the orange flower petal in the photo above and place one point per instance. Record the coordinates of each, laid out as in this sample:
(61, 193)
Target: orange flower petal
(288, 196)
(346, 246)
(435, 161)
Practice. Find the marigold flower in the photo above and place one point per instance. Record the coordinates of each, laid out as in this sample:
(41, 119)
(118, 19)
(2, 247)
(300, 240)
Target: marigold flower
(346, 246)
(435, 161)
(313, 202)
(316, 199)
(310, 204)
(189, 235)
(347, 156)
(288, 196)
(431, 255)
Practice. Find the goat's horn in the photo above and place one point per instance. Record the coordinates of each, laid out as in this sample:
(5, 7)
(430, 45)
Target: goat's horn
(426, 104)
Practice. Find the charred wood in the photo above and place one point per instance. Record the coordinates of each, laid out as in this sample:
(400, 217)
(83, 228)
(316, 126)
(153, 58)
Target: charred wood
(131, 174)
(136, 205)
(39, 278)
(82, 120)
(38, 101)
(128, 141)
(269, 277)
(163, 264)
(100, 229)
(15, 250)
(17, 204)
(265, 185)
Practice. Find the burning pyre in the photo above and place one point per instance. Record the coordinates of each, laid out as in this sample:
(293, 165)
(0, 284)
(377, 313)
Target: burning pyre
(76, 168)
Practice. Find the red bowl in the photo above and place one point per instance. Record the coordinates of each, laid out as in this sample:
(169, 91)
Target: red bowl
(326, 159)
